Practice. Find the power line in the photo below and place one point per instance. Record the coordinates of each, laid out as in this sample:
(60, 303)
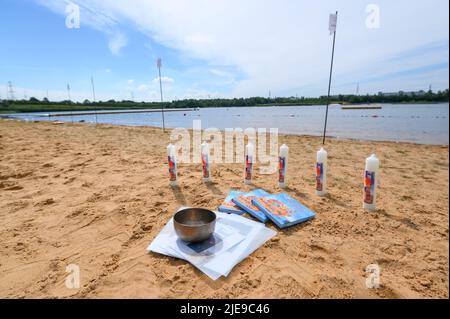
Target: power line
(93, 89)
(10, 92)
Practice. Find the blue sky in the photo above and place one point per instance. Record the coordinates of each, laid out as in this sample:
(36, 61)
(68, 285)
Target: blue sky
(220, 48)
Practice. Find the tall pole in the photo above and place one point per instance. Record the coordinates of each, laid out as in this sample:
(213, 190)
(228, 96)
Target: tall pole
(158, 63)
(329, 85)
(70, 101)
(93, 97)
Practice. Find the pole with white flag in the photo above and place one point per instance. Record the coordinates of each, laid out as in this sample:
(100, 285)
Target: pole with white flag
(332, 27)
(158, 64)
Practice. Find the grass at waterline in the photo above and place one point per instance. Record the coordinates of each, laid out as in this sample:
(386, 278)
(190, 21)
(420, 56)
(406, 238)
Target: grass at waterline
(35, 105)
(25, 108)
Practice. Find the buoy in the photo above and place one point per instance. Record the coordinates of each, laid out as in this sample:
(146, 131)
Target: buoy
(283, 164)
(172, 161)
(249, 153)
(321, 172)
(205, 162)
(371, 182)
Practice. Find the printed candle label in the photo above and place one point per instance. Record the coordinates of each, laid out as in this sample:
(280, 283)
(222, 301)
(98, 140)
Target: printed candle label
(282, 169)
(205, 164)
(172, 169)
(248, 167)
(319, 177)
(369, 186)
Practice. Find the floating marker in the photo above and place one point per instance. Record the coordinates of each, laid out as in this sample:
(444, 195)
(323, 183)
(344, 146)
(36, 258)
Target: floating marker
(249, 153)
(283, 164)
(321, 172)
(172, 161)
(371, 182)
(205, 162)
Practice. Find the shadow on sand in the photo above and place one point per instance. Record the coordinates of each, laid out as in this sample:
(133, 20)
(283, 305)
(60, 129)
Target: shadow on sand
(179, 196)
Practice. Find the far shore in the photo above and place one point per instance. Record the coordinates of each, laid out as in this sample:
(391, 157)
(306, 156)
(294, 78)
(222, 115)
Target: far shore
(24, 108)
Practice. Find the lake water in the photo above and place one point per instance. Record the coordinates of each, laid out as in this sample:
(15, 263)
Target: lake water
(418, 123)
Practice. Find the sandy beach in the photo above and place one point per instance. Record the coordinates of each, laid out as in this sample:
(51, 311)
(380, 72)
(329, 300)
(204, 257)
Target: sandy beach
(96, 196)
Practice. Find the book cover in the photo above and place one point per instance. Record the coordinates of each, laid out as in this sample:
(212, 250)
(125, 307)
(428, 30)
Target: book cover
(228, 206)
(283, 210)
(244, 201)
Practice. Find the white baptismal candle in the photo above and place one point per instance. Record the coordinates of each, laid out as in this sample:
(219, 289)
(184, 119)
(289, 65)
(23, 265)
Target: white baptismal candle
(249, 153)
(172, 161)
(283, 165)
(206, 168)
(371, 182)
(321, 172)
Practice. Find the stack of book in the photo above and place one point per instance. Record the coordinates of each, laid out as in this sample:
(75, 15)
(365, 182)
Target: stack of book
(281, 209)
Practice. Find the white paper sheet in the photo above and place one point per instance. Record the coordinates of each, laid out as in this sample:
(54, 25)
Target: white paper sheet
(243, 236)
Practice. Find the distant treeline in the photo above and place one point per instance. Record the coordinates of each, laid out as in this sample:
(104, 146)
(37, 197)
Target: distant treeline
(35, 105)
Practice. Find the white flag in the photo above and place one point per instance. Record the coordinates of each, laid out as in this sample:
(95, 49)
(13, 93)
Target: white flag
(332, 24)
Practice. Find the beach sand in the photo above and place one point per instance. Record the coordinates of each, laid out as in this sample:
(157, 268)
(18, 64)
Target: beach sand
(97, 196)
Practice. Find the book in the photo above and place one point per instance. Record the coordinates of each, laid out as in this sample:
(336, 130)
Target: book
(244, 202)
(228, 206)
(283, 210)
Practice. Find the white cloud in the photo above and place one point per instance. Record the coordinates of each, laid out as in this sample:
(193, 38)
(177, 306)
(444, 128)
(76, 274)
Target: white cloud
(144, 87)
(93, 15)
(152, 85)
(221, 73)
(284, 45)
(117, 42)
(164, 79)
(199, 94)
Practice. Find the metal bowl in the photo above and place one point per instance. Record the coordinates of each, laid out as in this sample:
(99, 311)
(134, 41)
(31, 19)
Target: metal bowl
(194, 224)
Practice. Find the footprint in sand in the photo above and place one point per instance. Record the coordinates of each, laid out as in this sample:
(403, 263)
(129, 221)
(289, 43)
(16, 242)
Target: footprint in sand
(46, 202)
(10, 186)
(70, 180)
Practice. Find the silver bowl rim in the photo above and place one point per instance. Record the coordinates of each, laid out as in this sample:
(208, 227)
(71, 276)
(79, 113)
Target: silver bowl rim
(198, 225)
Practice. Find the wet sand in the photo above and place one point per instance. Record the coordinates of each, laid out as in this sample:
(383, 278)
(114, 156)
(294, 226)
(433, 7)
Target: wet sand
(97, 196)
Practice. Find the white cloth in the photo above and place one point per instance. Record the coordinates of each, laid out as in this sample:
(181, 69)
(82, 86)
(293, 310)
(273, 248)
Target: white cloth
(332, 24)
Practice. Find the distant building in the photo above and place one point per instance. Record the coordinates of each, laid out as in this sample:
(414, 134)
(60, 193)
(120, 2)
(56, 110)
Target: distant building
(407, 93)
